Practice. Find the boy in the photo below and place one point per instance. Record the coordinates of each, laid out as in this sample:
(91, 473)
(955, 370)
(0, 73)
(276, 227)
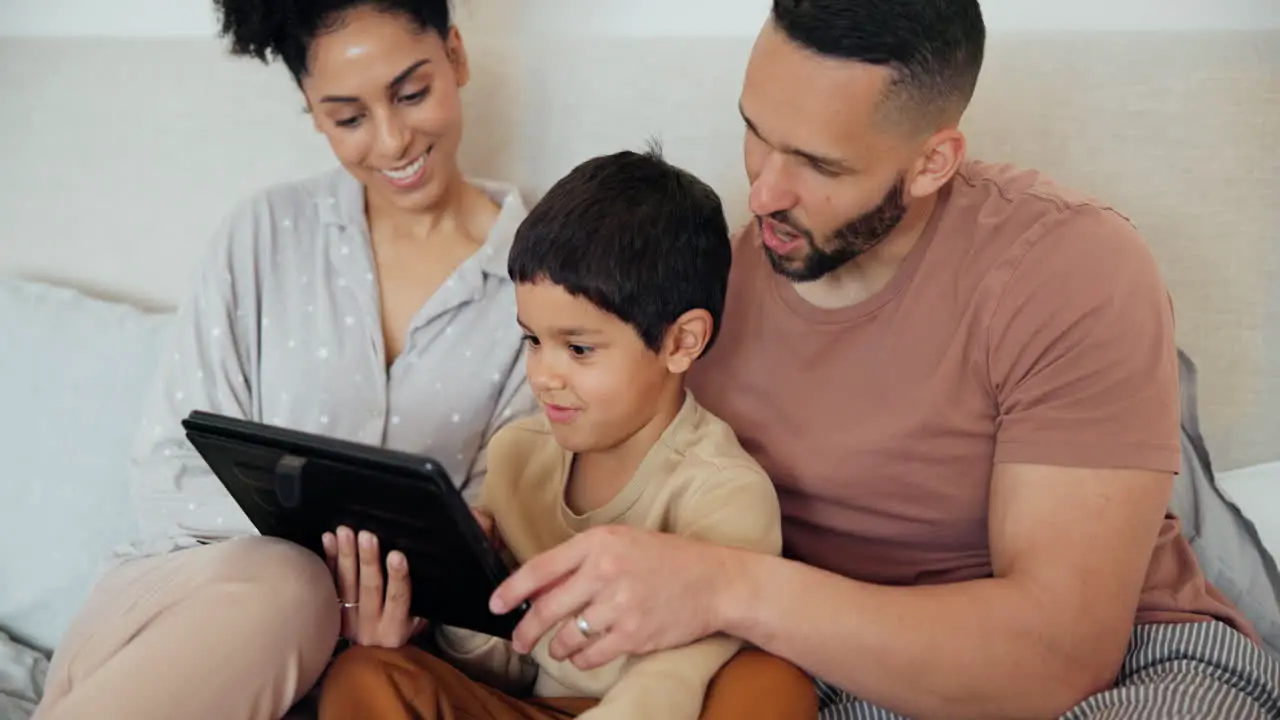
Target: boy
(621, 273)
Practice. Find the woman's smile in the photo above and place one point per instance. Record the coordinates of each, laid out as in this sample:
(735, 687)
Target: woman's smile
(410, 175)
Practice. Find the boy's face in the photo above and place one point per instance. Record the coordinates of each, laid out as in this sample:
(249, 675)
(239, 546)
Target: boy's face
(591, 372)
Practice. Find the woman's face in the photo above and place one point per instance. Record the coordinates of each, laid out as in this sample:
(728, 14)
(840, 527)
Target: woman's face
(385, 94)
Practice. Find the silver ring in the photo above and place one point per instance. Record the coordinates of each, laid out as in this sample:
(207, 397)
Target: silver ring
(347, 605)
(583, 626)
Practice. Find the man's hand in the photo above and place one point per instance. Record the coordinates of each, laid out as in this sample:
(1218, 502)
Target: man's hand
(637, 591)
(370, 616)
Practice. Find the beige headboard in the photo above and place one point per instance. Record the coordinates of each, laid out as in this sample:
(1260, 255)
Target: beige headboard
(120, 155)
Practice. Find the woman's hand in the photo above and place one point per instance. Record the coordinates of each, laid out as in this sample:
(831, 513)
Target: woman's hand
(370, 616)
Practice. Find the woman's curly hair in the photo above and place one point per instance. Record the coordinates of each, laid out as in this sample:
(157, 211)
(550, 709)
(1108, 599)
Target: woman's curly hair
(284, 29)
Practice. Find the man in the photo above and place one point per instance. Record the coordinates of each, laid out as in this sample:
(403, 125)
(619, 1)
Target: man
(963, 381)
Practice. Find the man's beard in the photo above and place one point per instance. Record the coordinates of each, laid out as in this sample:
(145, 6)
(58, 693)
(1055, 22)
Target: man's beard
(851, 240)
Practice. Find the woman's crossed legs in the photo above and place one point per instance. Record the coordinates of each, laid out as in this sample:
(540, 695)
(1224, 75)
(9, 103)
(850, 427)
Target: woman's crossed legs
(237, 629)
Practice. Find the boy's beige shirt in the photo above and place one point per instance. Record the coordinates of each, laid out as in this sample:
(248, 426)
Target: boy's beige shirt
(696, 481)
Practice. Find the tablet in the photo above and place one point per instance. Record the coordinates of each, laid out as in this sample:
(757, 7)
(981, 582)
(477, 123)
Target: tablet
(297, 486)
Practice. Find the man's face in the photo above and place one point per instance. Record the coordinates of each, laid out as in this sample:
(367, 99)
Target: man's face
(828, 175)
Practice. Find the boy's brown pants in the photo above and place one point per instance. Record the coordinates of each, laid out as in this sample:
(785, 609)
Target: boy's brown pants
(411, 684)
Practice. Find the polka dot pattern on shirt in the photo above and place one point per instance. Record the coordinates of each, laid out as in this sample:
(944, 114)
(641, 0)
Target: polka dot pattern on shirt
(306, 349)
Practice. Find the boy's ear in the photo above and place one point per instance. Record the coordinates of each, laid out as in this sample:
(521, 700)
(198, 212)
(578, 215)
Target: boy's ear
(686, 339)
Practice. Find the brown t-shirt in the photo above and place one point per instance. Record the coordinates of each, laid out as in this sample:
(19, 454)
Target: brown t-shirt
(1027, 325)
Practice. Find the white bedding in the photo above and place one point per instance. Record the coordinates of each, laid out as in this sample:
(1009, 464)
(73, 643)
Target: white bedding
(22, 674)
(1257, 491)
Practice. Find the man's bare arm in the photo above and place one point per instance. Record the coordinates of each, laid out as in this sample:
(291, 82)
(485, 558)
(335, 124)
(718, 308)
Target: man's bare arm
(1070, 550)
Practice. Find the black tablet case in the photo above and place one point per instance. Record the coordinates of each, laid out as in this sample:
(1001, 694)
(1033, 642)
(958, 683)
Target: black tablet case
(297, 486)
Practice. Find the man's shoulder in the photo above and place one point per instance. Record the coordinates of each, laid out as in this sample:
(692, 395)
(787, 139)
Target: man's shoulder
(1021, 183)
(1006, 220)
(1006, 204)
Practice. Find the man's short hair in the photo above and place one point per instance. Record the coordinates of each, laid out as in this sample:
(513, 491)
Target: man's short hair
(636, 236)
(933, 47)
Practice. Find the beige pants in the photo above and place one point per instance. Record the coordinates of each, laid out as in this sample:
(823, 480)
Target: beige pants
(232, 631)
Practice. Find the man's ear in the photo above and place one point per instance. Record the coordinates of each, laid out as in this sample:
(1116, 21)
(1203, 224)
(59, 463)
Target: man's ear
(939, 160)
(686, 339)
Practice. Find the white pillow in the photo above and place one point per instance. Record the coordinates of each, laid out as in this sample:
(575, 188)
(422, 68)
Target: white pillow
(74, 372)
(22, 678)
(1257, 491)
(1223, 532)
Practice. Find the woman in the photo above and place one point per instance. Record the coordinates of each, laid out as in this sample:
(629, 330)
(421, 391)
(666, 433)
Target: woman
(370, 303)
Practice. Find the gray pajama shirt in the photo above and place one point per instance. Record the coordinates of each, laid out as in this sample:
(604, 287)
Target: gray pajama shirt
(284, 327)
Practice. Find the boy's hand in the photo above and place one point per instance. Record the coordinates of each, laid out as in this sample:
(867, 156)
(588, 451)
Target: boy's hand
(370, 616)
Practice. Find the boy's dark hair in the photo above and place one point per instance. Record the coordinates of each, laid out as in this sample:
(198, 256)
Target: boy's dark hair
(636, 236)
(285, 29)
(934, 47)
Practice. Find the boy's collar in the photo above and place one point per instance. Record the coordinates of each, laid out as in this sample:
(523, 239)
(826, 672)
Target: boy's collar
(674, 436)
